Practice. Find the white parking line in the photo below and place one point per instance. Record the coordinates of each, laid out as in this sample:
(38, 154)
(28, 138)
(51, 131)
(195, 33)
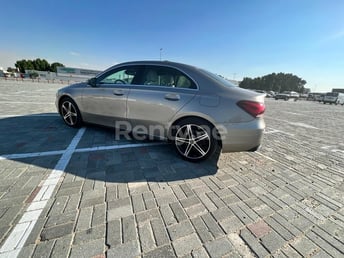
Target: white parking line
(303, 125)
(31, 154)
(293, 123)
(296, 114)
(29, 115)
(261, 154)
(16, 240)
(26, 102)
(58, 152)
(272, 131)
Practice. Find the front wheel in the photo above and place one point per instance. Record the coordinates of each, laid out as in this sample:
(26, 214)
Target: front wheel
(70, 112)
(195, 139)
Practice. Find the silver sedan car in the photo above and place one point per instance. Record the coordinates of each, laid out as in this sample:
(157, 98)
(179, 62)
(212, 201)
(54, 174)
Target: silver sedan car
(194, 109)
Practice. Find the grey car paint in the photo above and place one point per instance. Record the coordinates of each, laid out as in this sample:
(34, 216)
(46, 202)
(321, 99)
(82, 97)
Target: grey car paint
(212, 100)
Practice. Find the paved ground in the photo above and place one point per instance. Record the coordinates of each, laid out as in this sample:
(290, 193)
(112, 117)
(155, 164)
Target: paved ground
(127, 200)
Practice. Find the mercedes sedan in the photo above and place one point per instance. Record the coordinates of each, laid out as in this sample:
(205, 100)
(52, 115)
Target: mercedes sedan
(197, 111)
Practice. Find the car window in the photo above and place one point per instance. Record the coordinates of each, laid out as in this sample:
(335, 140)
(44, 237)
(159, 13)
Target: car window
(166, 76)
(120, 76)
(332, 94)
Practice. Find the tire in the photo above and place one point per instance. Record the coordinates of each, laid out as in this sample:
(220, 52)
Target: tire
(286, 99)
(70, 112)
(185, 134)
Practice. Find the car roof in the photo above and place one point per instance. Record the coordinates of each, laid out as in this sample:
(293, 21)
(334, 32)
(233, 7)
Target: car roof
(155, 62)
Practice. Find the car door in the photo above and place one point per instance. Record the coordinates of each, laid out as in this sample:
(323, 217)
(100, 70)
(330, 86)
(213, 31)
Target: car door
(162, 92)
(106, 102)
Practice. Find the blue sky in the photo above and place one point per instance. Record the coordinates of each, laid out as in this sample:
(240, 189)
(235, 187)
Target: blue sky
(243, 38)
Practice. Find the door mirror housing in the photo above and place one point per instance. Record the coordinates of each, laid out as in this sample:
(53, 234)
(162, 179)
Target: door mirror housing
(92, 82)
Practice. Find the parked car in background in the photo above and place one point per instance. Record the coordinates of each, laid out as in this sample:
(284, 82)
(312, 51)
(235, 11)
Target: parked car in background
(270, 94)
(320, 97)
(334, 98)
(194, 109)
(311, 96)
(286, 95)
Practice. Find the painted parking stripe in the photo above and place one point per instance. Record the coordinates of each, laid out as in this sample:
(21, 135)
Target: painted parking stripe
(26, 102)
(115, 147)
(31, 154)
(16, 240)
(30, 115)
(59, 152)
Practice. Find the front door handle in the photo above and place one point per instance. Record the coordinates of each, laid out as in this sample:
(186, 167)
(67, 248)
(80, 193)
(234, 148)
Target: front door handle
(172, 96)
(118, 92)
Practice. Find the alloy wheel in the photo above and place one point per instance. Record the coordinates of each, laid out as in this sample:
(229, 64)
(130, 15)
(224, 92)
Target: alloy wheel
(69, 113)
(192, 141)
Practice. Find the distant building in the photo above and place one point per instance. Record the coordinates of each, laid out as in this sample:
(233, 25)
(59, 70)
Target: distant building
(65, 73)
(76, 72)
(338, 90)
(306, 90)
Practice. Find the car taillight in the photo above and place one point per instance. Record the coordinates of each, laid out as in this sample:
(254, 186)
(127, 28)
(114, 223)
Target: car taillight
(255, 109)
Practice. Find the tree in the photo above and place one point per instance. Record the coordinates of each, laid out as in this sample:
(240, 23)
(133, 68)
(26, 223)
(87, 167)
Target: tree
(275, 82)
(11, 70)
(37, 64)
(53, 66)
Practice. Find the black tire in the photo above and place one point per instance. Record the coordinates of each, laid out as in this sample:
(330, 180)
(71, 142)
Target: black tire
(185, 134)
(70, 112)
(286, 99)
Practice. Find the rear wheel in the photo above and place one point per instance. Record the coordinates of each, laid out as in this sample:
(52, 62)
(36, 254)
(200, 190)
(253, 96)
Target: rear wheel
(194, 139)
(70, 112)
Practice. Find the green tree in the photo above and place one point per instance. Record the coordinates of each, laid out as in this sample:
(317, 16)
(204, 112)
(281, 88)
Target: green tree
(11, 70)
(53, 66)
(37, 64)
(275, 82)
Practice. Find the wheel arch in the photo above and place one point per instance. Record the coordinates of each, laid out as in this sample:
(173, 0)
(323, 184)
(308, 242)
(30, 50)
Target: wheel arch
(64, 96)
(67, 96)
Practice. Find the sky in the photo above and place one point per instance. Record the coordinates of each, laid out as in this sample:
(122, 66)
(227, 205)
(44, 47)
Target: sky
(237, 39)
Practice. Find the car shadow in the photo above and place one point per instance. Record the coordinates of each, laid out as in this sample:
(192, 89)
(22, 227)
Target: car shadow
(47, 137)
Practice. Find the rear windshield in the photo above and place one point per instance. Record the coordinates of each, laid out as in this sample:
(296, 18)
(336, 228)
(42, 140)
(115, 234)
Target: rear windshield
(218, 78)
(332, 94)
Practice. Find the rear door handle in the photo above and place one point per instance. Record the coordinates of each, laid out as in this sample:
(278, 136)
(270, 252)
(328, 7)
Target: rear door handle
(118, 92)
(172, 96)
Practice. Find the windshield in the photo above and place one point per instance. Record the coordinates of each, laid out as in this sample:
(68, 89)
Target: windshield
(218, 78)
(332, 94)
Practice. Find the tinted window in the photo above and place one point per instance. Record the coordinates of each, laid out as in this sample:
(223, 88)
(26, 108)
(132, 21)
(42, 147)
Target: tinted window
(332, 94)
(166, 76)
(218, 78)
(123, 75)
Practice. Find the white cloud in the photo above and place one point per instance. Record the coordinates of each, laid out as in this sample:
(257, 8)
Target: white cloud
(333, 37)
(337, 35)
(73, 53)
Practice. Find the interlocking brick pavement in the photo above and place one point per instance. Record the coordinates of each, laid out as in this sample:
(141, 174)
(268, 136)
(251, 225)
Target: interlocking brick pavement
(284, 200)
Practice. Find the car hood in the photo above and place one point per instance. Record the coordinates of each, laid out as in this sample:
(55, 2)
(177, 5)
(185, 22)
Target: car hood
(76, 85)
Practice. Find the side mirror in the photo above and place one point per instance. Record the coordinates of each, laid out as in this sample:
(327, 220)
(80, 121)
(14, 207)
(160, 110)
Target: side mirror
(92, 82)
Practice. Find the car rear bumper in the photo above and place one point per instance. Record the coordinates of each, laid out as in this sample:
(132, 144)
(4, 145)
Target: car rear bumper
(242, 136)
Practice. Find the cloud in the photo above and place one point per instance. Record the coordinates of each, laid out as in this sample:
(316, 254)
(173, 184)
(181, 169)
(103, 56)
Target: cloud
(73, 53)
(333, 37)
